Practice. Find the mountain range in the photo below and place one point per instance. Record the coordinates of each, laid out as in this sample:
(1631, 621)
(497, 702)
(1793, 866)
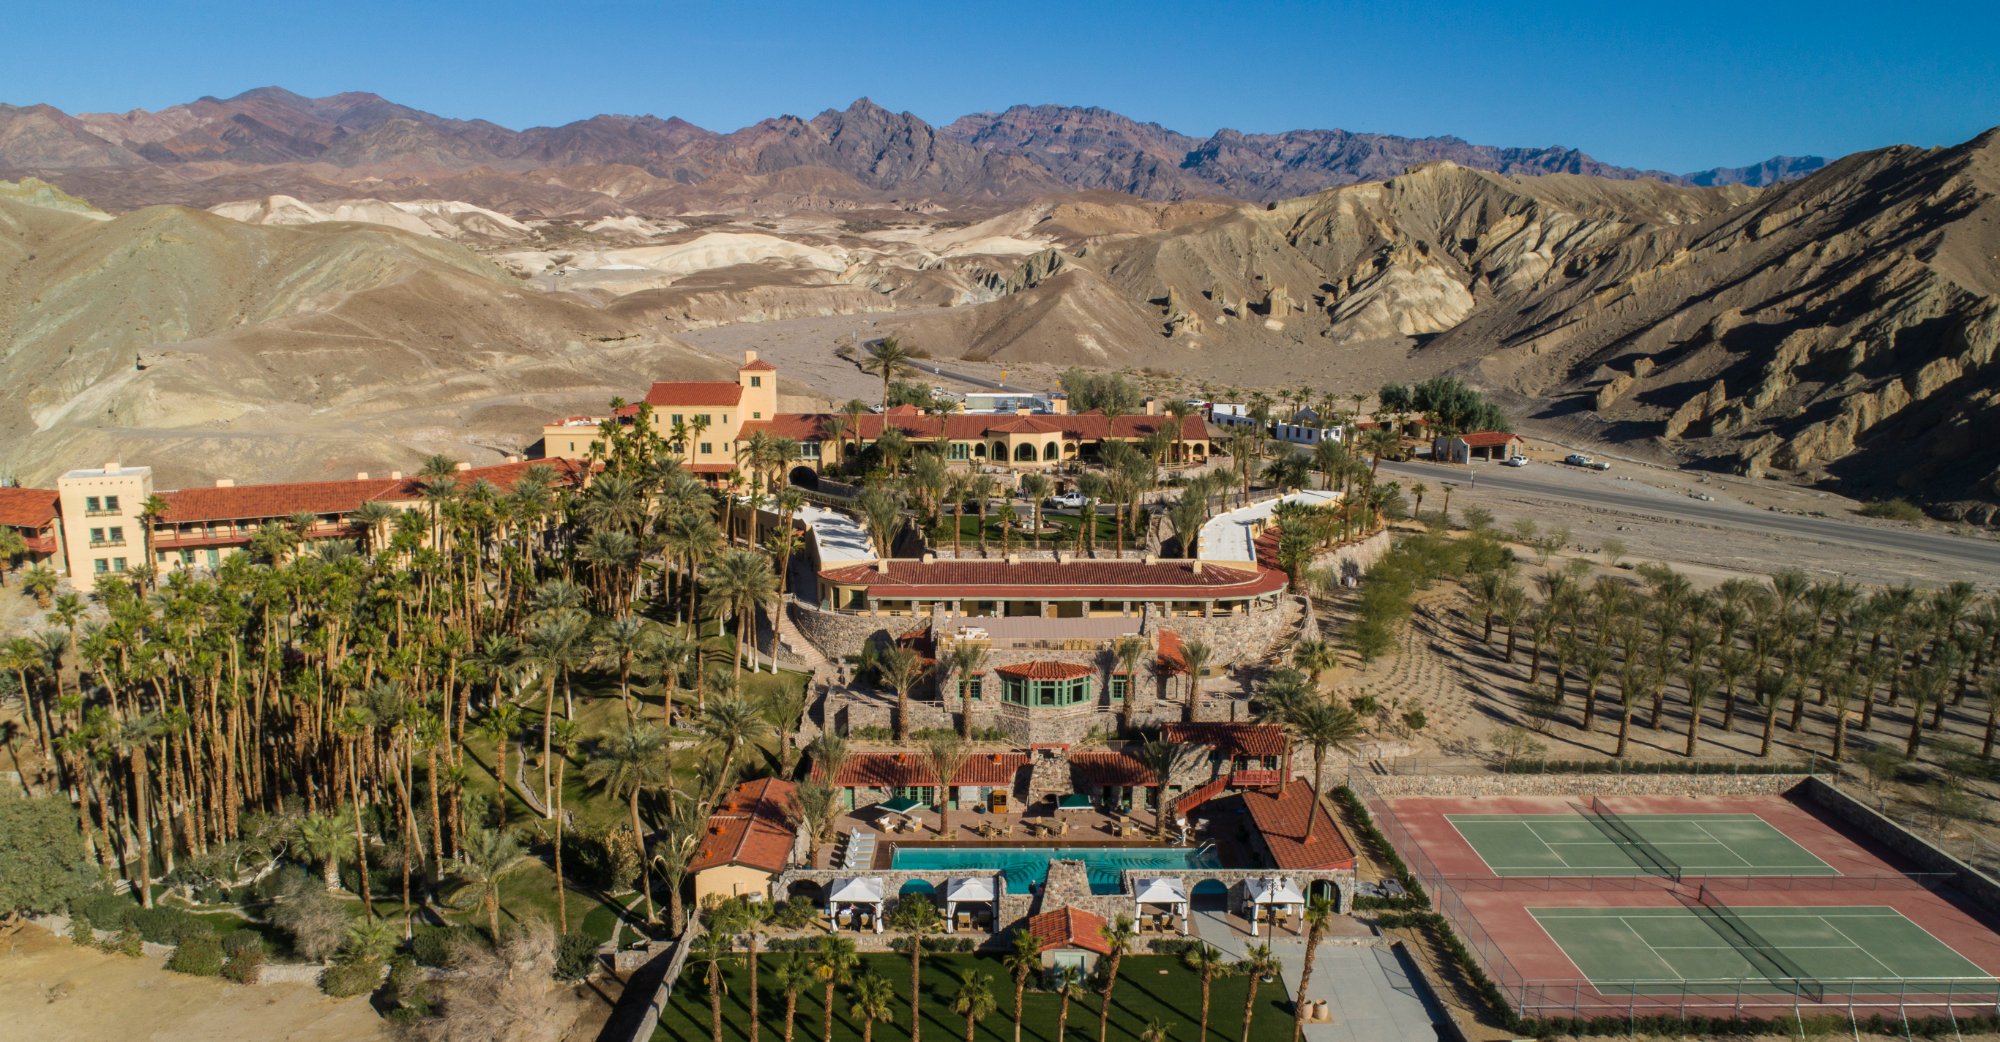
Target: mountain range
(270, 140)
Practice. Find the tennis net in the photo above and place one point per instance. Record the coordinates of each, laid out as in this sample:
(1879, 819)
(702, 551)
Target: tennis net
(1767, 958)
(1621, 832)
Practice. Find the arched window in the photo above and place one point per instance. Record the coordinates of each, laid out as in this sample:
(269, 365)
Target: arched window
(1000, 451)
(979, 450)
(1024, 452)
(1053, 451)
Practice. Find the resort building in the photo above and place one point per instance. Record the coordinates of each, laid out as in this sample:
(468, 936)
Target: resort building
(36, 514)
(748, 839)
(1479, 445)
(703, 420)
(105, 530)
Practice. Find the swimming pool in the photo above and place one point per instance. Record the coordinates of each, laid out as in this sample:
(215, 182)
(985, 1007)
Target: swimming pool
(1024, 867)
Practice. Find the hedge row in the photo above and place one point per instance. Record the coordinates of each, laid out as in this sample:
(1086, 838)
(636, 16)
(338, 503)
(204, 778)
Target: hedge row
(1415, 899)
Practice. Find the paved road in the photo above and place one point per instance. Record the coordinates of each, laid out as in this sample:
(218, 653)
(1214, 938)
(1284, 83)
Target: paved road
(1591, 488)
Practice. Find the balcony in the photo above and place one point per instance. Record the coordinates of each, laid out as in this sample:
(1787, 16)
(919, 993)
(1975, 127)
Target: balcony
(107, 544)
(1255, 778)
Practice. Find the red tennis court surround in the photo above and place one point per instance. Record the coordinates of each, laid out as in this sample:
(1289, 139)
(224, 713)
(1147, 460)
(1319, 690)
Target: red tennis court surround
(1494, 912)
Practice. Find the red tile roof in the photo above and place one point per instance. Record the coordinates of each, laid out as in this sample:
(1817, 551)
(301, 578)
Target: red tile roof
(1036, 580)
(27, 507)
(1170, 659)
(1070, 927)
(751, 827)
(887, 770)
(972, 427)
(261, 502)
(1281, 819)
(758, 366)
(1046, 670)
(1488, 439)
(670, 394)
(1107, 767)
(1232, 739)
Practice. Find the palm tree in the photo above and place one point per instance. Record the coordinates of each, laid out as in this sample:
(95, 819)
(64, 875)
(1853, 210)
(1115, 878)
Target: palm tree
(1023, 961)
(1322, 724)
(874, 1000)
(834, 961)
(1163, 760)
(1208, 963)
(1255, 965)
(1195, 656)
(790, 976)
(1069, 987)
(917, 918)
(563, 744)
(1700, 688)
(743, 581)
(500, 725)
(631, 763)
(973, 998)
(1128, 653)
(1118, 935)
(711, 949)
(322, 838)
(1319, 915)
(964, 663)
(730, 724)
(901, 669)
(488, 855)
(946, 754)
(888, 359)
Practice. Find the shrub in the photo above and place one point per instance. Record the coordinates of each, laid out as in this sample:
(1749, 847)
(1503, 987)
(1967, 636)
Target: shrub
(199, 955)
(576, 956)
(106, 910)
(162, 925)
(244, 969)
(348, 979)
(42, 864)
(432, 945)
(315, 922)
(1897, 509)
(406, 994)
(1174, 946)
(80, 930)
(243, 942)
(128, 942)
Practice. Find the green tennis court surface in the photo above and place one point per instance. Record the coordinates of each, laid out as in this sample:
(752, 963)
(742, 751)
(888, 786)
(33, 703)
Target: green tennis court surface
(1652, 950)
(1689, 844)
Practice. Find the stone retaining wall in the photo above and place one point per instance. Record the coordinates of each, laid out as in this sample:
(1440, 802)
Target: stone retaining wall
(1408, 785)
(1977, 886)
(1351, 561)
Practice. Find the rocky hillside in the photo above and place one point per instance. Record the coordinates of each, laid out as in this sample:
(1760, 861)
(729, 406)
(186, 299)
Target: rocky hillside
(1838, 329)
(207, 347)
(272, 142)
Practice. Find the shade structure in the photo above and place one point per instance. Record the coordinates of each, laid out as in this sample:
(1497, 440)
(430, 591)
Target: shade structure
(969, 888)
(1073, 801)
(1160, 892)
(1275, 890)
(857, 890)
(899, 805)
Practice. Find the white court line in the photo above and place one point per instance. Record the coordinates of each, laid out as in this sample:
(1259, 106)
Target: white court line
(1887, 972)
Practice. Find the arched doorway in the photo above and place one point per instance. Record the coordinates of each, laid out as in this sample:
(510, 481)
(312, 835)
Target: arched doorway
(1051, 452)
(1209, 895)
(1319, 888)
(979, 449)
(919, 888)
(804, 477)
(1024, 452)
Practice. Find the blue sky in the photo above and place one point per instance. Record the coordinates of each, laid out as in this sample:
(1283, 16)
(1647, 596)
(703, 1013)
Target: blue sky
(1672, 86)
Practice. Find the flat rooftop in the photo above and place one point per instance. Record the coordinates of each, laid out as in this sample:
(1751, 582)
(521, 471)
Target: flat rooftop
(1232, 536)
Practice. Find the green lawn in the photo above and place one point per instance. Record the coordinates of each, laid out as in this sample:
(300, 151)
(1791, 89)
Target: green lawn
(1150, 988)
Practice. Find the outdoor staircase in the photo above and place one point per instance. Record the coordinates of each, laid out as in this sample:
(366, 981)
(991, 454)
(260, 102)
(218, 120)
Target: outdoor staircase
(1186, 802)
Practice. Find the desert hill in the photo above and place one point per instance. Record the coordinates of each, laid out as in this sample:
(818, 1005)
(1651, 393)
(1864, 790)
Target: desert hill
(271, 141)
(209, 347)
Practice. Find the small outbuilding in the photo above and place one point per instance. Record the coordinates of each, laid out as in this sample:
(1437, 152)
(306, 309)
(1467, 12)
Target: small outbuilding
(1072, 939)
(1477, 446)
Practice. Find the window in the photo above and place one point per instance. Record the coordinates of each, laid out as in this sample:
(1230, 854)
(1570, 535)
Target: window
(756, 415)
(1120, 684)
(1052, 693)
(97, 537)
(101, 566)
(920, 793)
(118, 564)
(675, 420)
(214, 558)
(117, 534)
(972, 688)
(92, 505)
(110, 504)
(756, 381)
(808, 450)
(960, 450)
(707, 448)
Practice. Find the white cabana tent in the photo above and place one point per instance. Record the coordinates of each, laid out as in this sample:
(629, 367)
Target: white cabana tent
(856, 890)
(1169, 892)
(1274, 893)
(968, 890)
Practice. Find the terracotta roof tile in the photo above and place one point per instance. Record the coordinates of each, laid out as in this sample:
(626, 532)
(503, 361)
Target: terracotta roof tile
(888, 770)
(686, 393)
(973, 426)
(1070, 927)
(1046, 670)
(1108, 580)
(1170, 659)
(1488, 439)
(1089, 767)
(751, 827)
(1232, 739)
(1281, 818)
(27, 507)
(263, 502)
(758, 366)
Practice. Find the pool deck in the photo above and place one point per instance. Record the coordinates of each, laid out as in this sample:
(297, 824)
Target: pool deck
(1087, 828)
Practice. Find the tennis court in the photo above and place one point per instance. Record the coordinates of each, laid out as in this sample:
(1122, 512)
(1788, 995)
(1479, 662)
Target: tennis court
(1594, 842)
(1652, 950)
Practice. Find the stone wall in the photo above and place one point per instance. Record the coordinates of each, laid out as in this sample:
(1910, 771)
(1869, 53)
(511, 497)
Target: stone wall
(1236, 640)
(1351, 561)
(1977, 886)
(1417, 785)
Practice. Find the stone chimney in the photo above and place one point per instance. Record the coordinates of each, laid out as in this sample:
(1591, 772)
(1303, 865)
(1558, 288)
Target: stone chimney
(225, 482)
(1152, 406)
(930, 558)
(361, 475)
(1023, 410)
(882, 566)
(1195, 566)
(749, 357)
(1150, 559)
(395, 475)
(463, 467)
(1013, 558)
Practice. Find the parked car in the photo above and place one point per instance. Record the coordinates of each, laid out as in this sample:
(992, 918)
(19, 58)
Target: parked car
(1065, 501)
(1577, 459)
(1517, 461)
(1598, 464)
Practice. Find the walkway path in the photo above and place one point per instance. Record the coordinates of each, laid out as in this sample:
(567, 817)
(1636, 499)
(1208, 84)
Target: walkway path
(1371, 990)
